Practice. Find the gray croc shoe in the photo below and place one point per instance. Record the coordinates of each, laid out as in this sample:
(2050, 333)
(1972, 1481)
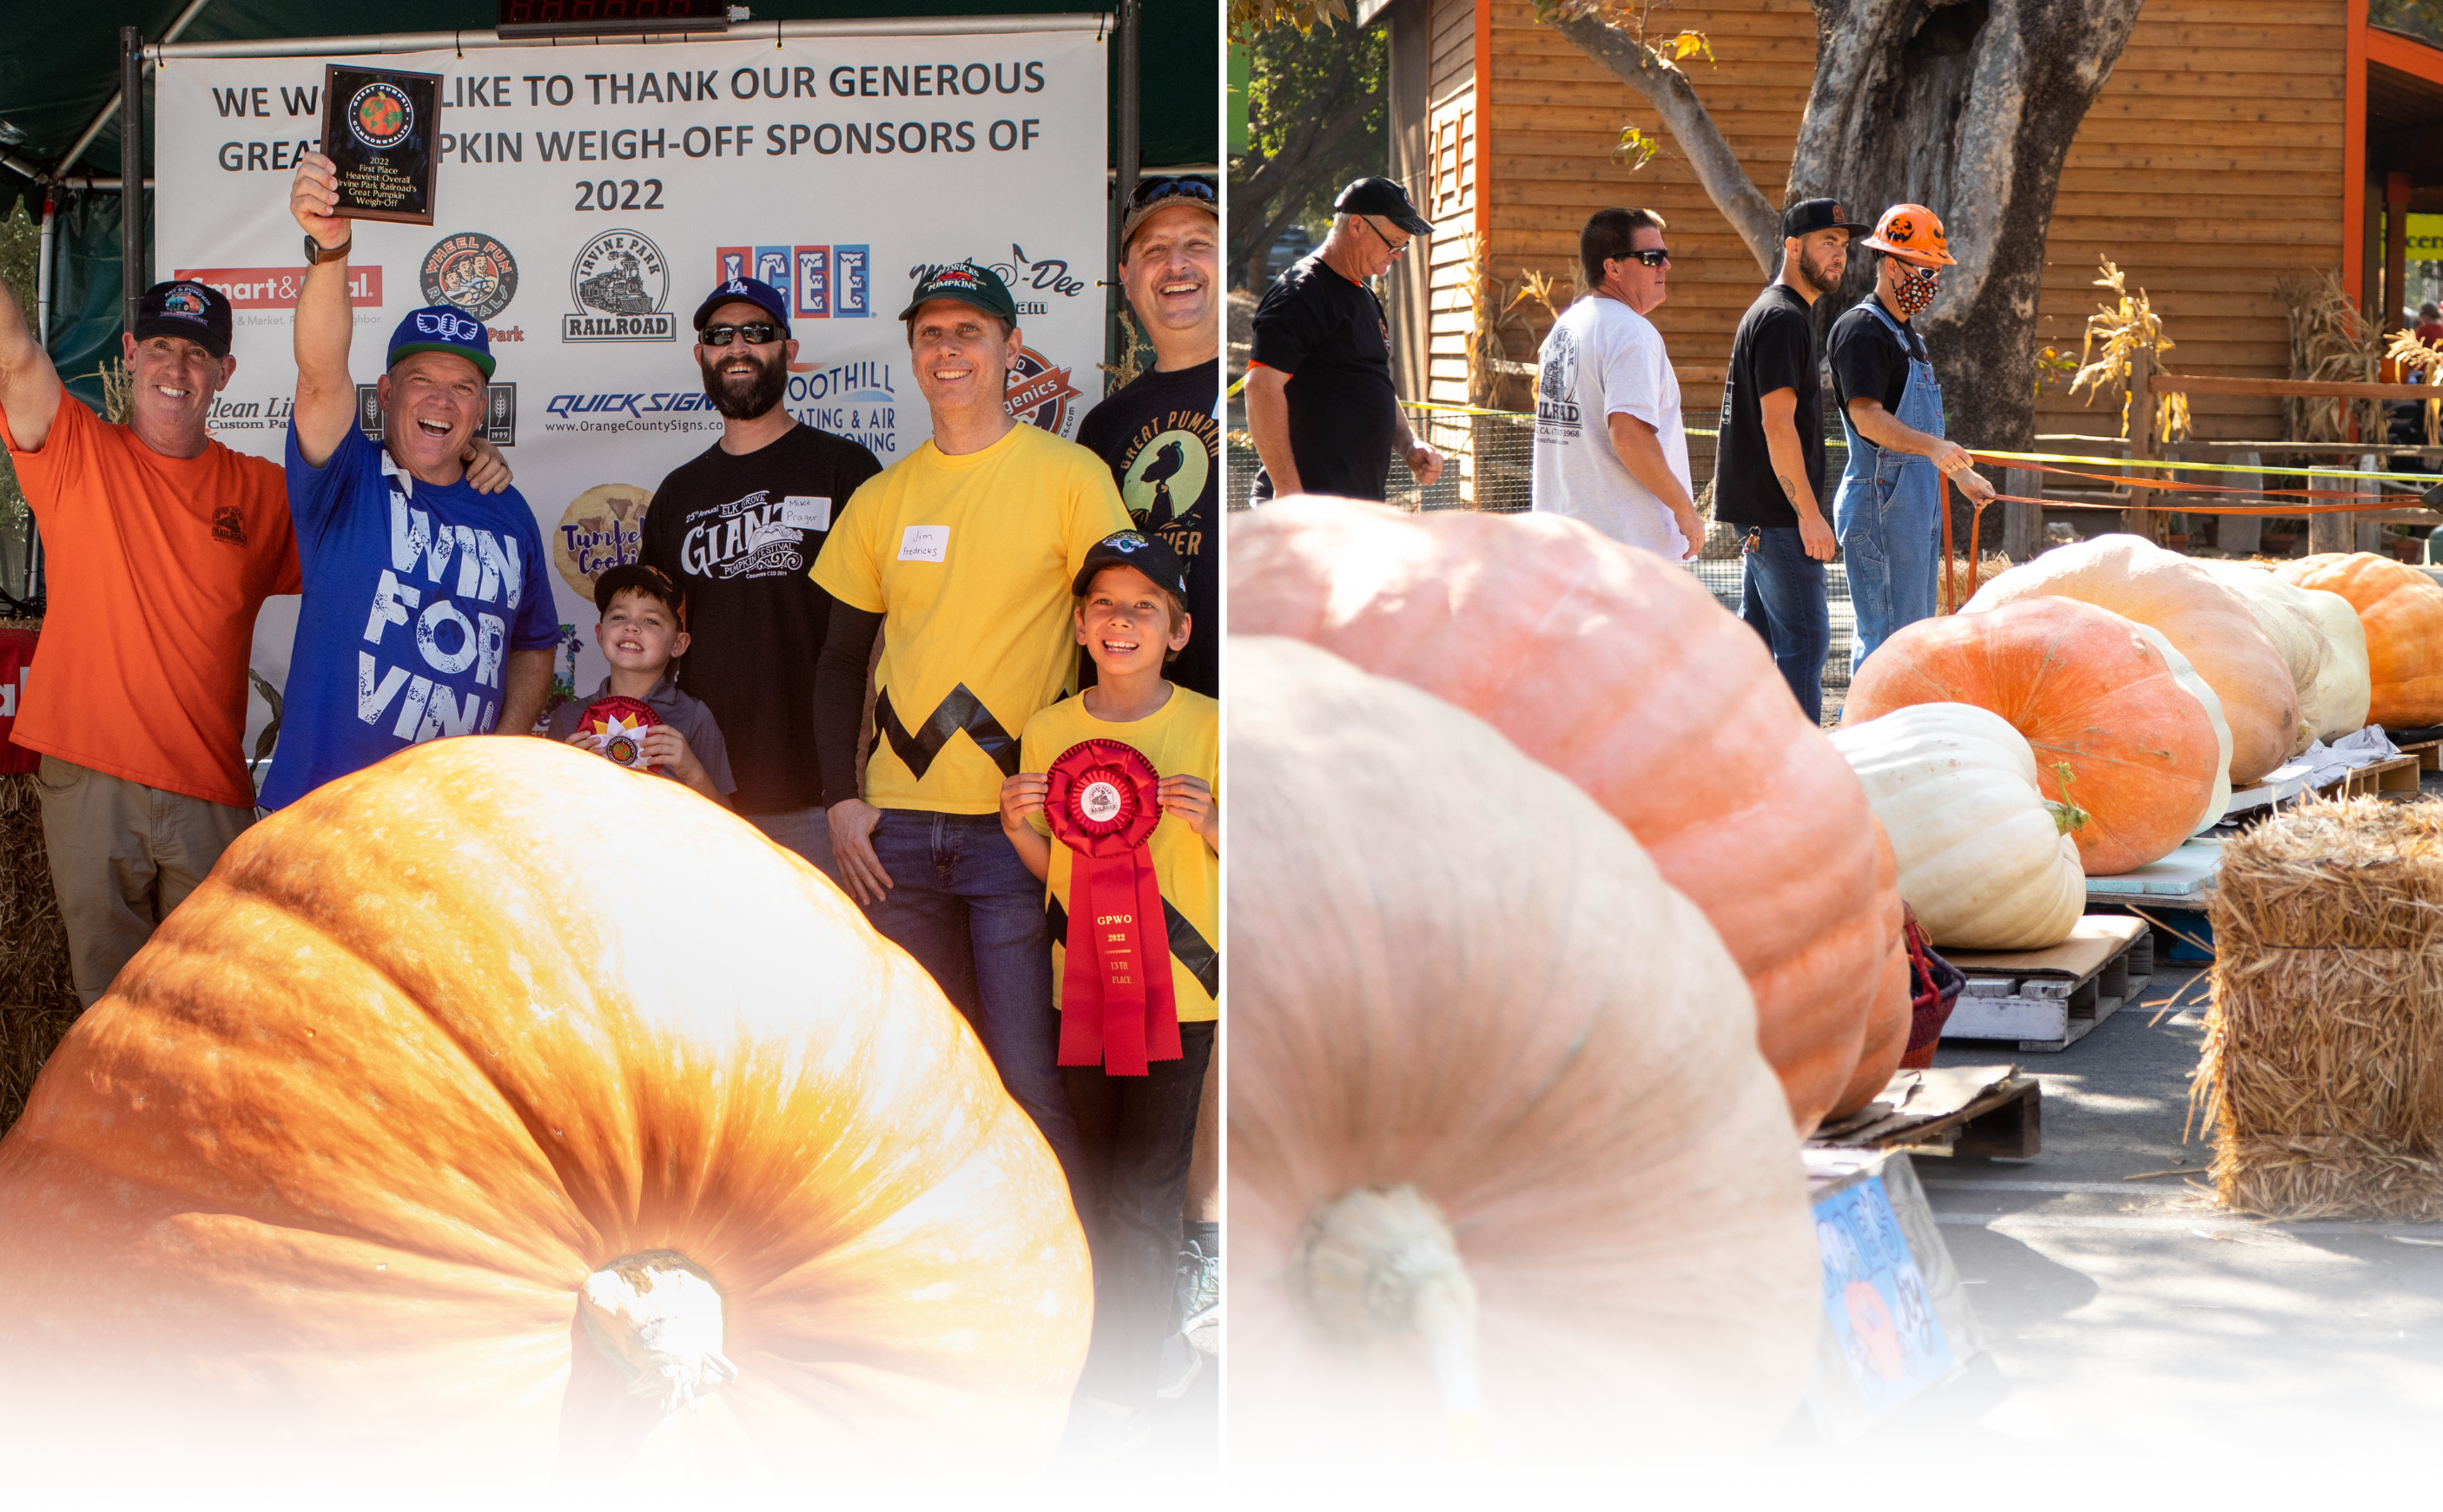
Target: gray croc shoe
(1095, 1440)
(1182, 1362)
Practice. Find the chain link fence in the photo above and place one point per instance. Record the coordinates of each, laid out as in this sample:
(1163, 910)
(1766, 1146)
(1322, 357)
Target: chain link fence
(1487, 459)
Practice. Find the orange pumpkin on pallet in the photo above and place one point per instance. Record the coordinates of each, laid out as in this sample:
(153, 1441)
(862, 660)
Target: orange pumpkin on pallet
(2402, 609)
(1617, 669)
(486, 1104)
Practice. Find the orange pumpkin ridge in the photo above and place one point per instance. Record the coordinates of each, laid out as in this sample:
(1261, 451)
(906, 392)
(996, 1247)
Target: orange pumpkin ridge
(2402, 611)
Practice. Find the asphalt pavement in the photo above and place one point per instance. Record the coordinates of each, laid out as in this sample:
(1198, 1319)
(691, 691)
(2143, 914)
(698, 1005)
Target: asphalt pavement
(2138, 1340)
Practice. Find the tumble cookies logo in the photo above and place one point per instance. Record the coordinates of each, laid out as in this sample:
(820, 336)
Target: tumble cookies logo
(1039, 393)
(602, 529)
(621, 284)
(472, 271)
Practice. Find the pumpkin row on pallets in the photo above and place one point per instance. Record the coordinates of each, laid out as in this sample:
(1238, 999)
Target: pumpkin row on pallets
(1618, 669)
(2400, 612)
(1506, 1164)
(487, 1108)
(1988, 861)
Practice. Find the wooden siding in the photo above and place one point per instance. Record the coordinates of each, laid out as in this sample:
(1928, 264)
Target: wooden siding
(1450, 200)
(2210, 163)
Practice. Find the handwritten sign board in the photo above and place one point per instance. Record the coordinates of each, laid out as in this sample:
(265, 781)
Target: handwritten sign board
(1896, 1320)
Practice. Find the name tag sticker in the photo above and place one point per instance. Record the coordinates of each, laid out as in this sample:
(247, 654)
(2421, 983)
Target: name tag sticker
(924, 543)
(798, 512)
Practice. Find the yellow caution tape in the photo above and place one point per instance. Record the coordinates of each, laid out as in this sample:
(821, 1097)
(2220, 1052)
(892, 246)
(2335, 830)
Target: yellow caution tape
(1464, 1440)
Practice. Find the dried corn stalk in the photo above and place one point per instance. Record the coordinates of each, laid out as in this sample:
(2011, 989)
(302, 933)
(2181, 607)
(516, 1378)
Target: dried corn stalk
(2417, 357)
(1497, 303)
(2330, 342)
(2126, 328)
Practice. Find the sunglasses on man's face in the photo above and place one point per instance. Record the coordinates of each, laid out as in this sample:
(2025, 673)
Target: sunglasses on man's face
(757, 334)
(1652, 256)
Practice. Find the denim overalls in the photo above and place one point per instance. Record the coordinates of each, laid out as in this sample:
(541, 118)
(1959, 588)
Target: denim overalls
(1887, 514)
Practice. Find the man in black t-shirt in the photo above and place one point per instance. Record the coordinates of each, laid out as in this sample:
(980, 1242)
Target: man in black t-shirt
(739, 528)
(1769, 461)
(1160, 433)
(1321, 409)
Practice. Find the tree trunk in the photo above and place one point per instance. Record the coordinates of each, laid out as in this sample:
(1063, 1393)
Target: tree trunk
(1267, 192)
(1964, 106)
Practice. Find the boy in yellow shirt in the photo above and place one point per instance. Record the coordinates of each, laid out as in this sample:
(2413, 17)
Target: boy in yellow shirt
(1137, 1130)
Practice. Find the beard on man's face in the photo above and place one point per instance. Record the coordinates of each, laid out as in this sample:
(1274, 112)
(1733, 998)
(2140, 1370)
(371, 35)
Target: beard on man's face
(744, 396)
(1823, 267)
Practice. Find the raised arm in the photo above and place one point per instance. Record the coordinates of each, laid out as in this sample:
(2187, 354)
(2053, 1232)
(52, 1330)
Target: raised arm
(30, 386)
(326, 394)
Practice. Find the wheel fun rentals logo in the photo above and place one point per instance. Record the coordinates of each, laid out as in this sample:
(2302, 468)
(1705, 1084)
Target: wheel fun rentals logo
(471, 270)
(620, 283)
(1039, 393)
(379, 115)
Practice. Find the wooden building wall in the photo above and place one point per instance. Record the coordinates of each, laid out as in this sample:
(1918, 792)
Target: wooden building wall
(2211, 164)
(1453, 135)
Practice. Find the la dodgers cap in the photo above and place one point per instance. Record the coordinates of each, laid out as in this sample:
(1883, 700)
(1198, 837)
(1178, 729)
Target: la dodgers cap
(1383, 198)
(1150, 555)
(443, 329)
(1810, 216)
(754, 291)
(969, 285)
(184, 307)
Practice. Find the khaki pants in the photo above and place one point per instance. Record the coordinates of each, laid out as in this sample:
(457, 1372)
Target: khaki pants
(122, 857)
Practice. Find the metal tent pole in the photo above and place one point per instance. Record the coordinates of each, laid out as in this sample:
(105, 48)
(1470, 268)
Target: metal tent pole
(1125, 39)
(131, 166)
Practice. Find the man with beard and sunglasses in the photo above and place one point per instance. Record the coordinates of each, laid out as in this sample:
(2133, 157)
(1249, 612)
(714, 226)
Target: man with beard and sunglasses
(738, 529)
(1769, 460)
(1888, 510)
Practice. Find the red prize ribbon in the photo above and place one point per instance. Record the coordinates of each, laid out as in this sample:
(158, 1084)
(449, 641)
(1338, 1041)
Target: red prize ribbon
(1117, 1009)
(618, 724)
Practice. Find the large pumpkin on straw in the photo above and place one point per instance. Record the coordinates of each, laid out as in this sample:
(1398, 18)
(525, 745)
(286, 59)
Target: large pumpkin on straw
(486, 1107)
(2205, 621)
(2122, 728)
(2402, 611)
(1502, 1149)
(1614, 668)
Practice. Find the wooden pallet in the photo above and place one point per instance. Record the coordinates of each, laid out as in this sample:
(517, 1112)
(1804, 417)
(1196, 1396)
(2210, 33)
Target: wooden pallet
(2050, 1000)
(1987, 1111)
(2428, 754)
(2397, 774)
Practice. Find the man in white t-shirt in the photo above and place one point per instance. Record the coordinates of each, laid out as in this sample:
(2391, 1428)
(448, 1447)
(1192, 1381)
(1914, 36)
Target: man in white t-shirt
(1609, 449)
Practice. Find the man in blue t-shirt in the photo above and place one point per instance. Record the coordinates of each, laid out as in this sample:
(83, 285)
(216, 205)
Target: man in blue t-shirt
(427, 610)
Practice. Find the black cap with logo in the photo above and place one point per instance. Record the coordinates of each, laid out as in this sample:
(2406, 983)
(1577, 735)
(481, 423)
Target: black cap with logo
(969, 285)
(1383, 198)
(185, 308)
(1150, 555)
(1810, 216)
(652, 580)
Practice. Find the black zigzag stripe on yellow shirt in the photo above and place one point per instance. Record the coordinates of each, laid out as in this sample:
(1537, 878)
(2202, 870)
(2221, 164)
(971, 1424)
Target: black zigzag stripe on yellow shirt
(1203, 962)
(960, 709)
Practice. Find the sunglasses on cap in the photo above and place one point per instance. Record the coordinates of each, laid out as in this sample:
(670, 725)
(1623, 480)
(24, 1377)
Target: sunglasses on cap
(758, 333)
(1171, 187)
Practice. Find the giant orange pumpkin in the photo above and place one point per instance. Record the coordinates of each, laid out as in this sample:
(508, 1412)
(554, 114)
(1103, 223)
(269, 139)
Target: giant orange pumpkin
(486, 1028)
(1501, 1143)
(2209, 623)
(1615, 668)
(2092, 693)
(2402, 609)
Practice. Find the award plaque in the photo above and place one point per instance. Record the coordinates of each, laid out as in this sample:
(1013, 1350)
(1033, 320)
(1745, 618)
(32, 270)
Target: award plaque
(377, 130)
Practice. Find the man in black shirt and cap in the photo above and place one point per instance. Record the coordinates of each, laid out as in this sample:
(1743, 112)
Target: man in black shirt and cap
(1320, 405)
(1769, 461)
(738, 531)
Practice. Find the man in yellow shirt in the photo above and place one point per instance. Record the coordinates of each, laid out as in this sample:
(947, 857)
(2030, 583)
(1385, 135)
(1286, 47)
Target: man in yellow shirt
(963, 555)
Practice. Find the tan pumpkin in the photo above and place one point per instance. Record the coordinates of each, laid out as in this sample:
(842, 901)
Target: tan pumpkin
(1986, 860)
(1501, 1146)
(382, 1153)
(2121, 727)
(1615, 668)
(2400, 610)
(2210, 625)
(2322, 643)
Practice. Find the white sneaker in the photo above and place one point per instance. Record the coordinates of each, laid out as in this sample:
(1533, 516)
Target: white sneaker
(1182, 1362)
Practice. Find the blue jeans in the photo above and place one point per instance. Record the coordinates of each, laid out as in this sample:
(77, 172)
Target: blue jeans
(806, 832)
(967, 908)
(1889, 520)
(1781, 593)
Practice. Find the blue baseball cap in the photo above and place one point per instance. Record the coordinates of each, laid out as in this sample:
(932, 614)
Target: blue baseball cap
(754, 291)
(443, 329)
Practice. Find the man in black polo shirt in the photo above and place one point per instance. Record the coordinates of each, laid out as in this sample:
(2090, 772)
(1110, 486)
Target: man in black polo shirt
(1769, 462)
(1320, 405)
(738, 528)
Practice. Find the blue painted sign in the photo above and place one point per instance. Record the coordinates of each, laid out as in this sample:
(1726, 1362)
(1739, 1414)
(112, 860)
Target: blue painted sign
(1875, 1299)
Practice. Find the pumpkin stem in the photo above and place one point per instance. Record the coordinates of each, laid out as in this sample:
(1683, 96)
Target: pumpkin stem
(1381, 1261)
(2067, 815)
(657, 1316)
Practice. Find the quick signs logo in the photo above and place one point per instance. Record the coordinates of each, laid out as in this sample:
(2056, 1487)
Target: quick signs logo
(498, 424)
(471, 270)
(1039, 393)
(622, 285)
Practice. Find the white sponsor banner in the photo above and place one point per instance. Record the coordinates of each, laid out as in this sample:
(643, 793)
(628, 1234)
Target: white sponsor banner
(591, 197)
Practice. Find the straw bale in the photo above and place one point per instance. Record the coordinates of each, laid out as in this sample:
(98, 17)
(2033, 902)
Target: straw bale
(37, 1000)
(2322, 1074)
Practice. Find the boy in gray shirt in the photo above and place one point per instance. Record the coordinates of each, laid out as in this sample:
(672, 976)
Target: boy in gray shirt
(642, 633)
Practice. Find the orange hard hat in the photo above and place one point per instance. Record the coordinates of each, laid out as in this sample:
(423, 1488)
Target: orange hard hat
(1914, 235)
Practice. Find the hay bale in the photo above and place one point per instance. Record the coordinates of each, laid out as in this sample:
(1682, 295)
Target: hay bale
(37, 1000)
(2322, 1076)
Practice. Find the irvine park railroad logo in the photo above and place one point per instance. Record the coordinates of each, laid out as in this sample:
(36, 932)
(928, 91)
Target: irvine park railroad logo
(620, 283)
(472, 271)
(379, 115)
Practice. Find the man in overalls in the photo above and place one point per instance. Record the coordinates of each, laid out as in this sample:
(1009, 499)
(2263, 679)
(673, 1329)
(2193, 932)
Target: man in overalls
(1887, 511)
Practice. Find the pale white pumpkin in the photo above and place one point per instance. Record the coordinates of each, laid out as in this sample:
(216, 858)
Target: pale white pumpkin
(1986, 860)
(2298, 637)
(2334, 702)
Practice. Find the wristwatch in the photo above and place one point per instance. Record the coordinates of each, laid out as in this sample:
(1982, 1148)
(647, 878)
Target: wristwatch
(317, 254)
